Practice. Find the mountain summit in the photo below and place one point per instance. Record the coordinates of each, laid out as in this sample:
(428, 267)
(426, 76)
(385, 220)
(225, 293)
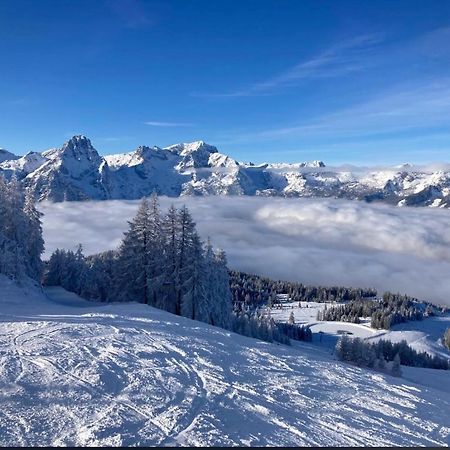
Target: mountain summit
(73, 172)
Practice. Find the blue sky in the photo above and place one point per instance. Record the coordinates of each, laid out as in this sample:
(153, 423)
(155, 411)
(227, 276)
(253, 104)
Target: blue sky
(362, 82)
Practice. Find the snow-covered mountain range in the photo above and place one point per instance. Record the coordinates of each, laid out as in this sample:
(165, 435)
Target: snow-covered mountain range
(76, 171)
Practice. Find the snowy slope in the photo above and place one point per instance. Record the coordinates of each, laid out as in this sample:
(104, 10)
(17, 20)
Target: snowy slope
(75, 373)
(22, 166)
(76, 171)
(143, 171)
(423, 336)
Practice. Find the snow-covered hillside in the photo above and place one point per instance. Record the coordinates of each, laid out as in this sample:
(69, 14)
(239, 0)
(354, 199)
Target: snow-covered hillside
(423, 336)
(77, 172)
(77, 373)
(21, 167)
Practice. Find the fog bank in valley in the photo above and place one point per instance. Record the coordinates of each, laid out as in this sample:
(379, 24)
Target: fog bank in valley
(315, 241)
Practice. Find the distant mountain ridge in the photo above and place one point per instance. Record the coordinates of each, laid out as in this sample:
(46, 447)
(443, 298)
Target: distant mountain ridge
(76, 171)
(6, 156)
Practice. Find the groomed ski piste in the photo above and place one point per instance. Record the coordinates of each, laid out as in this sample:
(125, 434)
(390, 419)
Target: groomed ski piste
(78, 373)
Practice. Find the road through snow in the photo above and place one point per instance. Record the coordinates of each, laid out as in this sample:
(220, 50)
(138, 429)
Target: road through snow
(75, 373)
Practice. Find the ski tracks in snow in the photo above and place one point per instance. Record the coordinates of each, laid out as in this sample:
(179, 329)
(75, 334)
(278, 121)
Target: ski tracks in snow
(132, 375)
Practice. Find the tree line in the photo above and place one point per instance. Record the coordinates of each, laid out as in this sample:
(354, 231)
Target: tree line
(385, 355)
(294, 331)
(254, 291)
(21, 243)
(384, 313)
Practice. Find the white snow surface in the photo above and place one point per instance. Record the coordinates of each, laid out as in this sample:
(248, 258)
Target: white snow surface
(24, 165)
(79, 373)
(423, 336)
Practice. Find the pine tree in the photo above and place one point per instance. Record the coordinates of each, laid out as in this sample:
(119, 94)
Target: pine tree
(186, 251)
(291, 320)
(53, 273)
(342, 349)
(194, 301)
(155, 251)
(171, 270)
(222, 300)
(15, 228)
(395, 368)
(134, 261)
(34, 243)
(21, 241)
(381, 364)
(446, 338)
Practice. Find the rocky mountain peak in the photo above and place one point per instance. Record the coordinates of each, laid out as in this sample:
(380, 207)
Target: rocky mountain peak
(144, 150)
(79, 147)
(186, 149)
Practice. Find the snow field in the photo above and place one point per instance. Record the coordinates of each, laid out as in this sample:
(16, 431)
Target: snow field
(76, 373)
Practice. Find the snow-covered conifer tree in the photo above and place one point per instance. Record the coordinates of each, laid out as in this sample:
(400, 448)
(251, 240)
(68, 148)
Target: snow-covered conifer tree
(136, 257)
(15, 228)
(194, 301)
(186, 254)
(342, 349)
(21, 242)
(291, 320)
(155, 251)
(446, 338)
(171, 281)
(395, 367)
(34, 243)
(222, 300)
(53, 273)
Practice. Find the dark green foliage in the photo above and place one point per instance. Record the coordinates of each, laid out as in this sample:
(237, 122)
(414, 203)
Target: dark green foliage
(390, 310)
(258, 326)
(296, 332)
(386, 353)
(446, 338)
(396, 308)
(253, 291)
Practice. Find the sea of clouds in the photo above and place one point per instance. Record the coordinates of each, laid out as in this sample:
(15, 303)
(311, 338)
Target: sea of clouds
(315, 241)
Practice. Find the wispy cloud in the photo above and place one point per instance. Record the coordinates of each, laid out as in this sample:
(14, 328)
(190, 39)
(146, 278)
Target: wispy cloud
(154, 123)
(340, 59)
(417, 107)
